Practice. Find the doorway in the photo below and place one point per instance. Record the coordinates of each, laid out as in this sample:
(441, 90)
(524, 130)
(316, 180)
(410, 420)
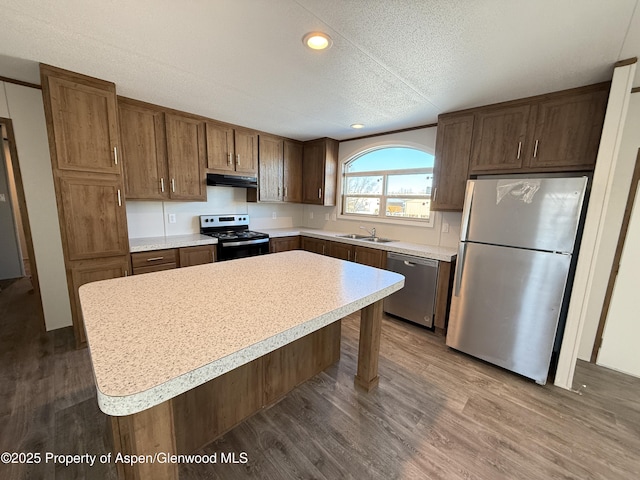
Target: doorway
(17, 259)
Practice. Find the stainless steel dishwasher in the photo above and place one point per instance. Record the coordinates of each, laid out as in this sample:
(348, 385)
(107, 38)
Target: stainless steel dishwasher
(416, 301)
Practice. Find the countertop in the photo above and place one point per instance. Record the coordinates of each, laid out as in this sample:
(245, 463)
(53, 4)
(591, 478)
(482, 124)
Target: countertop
(446, 254)
(172, 241)
(155, 336)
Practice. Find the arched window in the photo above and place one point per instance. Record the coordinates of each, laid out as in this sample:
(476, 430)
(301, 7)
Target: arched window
(389, 182)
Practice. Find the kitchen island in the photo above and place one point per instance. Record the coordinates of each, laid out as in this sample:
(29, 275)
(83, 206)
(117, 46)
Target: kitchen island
(181, 356)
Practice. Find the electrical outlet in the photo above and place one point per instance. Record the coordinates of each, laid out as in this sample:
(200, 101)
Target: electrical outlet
(326, 217)
(445, 228)
(172, 218)
(2, 197)
(273, 215)
(310, 215)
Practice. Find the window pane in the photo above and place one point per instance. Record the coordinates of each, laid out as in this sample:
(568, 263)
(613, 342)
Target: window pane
(415, 184)
(370, 185)
(395, 158)
(362, 205)
(408, 207)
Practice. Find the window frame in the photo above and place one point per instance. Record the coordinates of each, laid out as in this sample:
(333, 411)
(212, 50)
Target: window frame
(382, 217)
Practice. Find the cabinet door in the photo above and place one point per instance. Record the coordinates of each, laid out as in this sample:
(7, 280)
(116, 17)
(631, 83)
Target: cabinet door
(144, 156)
(314, 245)
(343, 251)
(312, 173)
(92, 271)
(292, 175)
(498, 139)
(186, 157)
(451, 168)
(190, 256)
(284, 244)
(370, 256)
(220, 150)
(85, 126)
(568, 130)
(93, 213)
(246, 143)
(270, 167)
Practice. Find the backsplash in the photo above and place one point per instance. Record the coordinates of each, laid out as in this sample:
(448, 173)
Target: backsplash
(151, 218)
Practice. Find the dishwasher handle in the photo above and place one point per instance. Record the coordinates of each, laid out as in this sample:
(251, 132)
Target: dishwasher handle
(412, 261)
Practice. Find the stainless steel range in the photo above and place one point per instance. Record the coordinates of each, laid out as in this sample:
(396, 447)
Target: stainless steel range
(235, 240)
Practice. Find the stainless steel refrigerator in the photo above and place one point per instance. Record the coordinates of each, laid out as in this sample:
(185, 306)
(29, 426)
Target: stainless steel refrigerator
(514, 264)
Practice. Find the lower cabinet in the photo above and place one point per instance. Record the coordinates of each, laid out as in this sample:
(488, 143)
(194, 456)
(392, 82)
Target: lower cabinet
(159, 260)
(284, 244)
(315, 245)
(344, 251)
(87, 271)
(190, 256)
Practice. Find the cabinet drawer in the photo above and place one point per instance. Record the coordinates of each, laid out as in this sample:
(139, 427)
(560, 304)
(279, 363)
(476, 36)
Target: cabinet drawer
(154, 268)
(154, 257)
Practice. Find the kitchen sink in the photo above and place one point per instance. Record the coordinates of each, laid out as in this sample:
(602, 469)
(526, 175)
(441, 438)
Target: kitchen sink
(354, 236)
(377, 239)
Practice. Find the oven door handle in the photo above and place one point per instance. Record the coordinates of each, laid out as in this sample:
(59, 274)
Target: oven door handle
(245, 242)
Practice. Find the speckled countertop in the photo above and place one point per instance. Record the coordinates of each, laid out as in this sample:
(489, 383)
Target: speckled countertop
(155, 336)
(446, 254)
(171, 241)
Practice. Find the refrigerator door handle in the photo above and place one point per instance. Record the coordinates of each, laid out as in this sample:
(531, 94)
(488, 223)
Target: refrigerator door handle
(468, 200)
(462, 251)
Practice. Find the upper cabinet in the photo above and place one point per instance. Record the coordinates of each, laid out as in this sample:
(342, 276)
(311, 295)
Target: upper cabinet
(292, 172)
(498, 138)
(84, 125)
(163, 153)
(232, 149)
(319, 170)
(186, 157)
(144, 150)
(566, 131)
(555, 132)
(271, 169)
(451, 168)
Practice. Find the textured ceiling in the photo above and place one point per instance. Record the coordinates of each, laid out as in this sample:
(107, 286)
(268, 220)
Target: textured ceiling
(393, 64)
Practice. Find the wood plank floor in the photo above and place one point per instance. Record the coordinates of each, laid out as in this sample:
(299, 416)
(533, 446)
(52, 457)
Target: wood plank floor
(436, 414)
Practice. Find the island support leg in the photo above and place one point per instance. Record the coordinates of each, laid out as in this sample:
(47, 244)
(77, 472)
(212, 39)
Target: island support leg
(369, 347)
(143, 435)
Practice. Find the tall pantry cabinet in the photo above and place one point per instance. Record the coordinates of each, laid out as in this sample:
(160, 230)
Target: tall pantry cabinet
(82, 126)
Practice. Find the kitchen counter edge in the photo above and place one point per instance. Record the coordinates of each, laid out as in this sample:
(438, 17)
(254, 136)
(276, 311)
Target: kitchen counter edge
(146, 244)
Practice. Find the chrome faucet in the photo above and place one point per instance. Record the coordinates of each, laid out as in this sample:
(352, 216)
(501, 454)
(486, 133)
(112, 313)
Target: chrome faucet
(371, 232)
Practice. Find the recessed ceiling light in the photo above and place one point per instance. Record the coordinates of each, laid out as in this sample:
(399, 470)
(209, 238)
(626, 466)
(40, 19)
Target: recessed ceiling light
(317, 40)
(357, 125)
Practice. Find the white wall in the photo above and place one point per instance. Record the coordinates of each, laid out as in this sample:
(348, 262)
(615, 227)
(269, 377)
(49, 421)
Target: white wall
(612, 222)
(619, 349)
(24, 106)
(328, 217)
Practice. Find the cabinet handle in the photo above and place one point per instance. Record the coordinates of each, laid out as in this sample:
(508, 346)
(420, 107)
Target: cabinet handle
(535, 150)
(115, 154)
(323, 249)
(153, 259)
(119, 199)
(278, 191)
(355, 256)
(173, 185)
(237, 159)
(319, 193)
(162, 185)
(229, 159)
(126, 273)
(435, 194)
(519, 149)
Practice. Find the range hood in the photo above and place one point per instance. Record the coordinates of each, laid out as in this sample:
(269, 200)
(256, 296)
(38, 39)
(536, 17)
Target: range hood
(231, 181)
